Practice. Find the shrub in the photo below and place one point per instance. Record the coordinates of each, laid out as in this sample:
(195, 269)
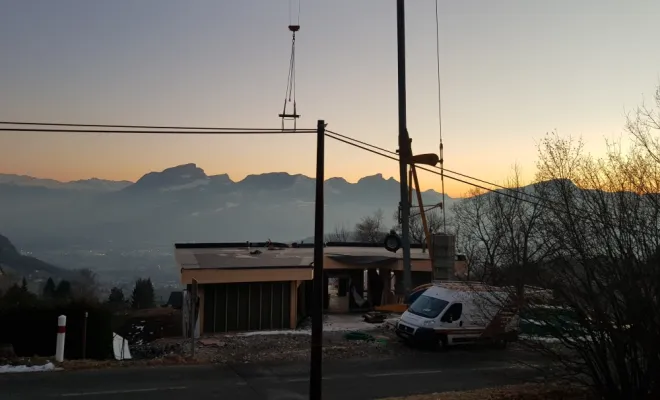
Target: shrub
(33, 329)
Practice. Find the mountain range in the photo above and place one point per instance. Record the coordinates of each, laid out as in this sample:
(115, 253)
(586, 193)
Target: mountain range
(184, 204)
(94, 184)
(12, 262)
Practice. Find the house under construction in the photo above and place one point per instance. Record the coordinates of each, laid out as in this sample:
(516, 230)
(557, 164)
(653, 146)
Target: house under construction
(262, 286)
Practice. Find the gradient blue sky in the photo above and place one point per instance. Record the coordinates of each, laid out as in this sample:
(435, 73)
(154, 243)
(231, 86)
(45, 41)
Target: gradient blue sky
(511, 70)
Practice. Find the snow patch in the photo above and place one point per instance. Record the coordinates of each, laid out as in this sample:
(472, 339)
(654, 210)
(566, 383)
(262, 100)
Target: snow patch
(11, 369)
(333, 323)
(346, 323)
(189, 185)
(544, 339)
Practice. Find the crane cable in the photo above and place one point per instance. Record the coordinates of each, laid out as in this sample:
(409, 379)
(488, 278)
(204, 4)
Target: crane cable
(290, 13)
(440, 147)
(290, 94)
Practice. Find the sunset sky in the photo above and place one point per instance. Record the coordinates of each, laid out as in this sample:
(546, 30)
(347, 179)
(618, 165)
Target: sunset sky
(511, 71)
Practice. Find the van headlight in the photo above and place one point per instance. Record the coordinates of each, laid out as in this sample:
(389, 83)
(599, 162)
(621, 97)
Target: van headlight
(428, 322)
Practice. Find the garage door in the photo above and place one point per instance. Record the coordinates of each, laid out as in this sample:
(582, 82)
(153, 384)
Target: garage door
(250, 306)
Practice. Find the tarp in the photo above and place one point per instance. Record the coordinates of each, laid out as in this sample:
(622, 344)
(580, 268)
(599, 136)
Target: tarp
(120, 347)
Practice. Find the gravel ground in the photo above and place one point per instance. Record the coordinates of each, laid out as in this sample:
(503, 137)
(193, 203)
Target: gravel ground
(284, 346)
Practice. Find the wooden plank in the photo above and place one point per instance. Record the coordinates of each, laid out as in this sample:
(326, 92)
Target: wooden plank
(271, 305)
(249, 302)
(293, 305)
(215, 306)
(238, 306)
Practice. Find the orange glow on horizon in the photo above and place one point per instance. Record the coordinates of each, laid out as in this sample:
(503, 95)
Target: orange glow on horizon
(427, 181)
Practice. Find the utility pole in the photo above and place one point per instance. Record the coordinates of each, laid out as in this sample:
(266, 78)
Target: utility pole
(404, 146)
(193, 310)
(315, 374)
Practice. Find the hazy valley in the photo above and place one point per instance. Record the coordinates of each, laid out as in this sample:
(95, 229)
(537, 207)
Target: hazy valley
(124, 230)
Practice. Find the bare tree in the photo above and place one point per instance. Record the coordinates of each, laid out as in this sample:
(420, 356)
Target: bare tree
(588, 232)
(371, 229)
(644, 126)
(481, 234)
(341, 234)
(85, 285)
(417, 234)
(604, 223)
(591, 237)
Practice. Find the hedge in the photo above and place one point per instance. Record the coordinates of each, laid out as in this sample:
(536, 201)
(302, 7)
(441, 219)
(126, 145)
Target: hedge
(32, 330)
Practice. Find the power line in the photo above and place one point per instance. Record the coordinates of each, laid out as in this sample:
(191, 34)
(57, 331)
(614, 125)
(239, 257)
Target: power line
(512, 190)
(418, 167)
(440, 146)
(183, 130)
(159, 132)
(272, 131)
(202, 128)
(542, 203)
(445, 169)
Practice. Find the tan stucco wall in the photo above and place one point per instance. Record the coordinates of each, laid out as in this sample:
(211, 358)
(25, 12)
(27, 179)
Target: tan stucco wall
(204, 276)
(288, 274)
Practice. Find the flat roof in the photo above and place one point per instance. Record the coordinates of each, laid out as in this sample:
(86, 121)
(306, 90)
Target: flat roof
(227, 245)
(240, 255)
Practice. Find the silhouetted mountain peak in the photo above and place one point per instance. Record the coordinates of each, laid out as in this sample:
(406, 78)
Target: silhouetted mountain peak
(337, 182)
(92, 184)
(174, 178)
(190, 169)
(6, 247)
(222, 179)
(13, 261)
(552, 183)
(274, 180)
(376, 181)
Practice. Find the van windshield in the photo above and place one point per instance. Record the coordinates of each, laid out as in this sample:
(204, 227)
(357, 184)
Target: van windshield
(427, 306)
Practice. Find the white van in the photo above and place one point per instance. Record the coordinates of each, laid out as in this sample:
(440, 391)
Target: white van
(449, 313)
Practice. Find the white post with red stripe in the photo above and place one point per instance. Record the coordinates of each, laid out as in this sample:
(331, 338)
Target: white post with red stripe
(61, 333)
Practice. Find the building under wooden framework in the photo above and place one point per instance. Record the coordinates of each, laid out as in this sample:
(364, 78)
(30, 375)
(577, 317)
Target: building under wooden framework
(263, 286)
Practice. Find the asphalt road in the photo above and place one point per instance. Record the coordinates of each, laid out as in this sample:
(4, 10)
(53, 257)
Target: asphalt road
(345, 380)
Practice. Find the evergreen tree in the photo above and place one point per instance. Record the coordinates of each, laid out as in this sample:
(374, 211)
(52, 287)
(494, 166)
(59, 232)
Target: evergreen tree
(17, 296)
(116, 298)
(63, 290)
(49, 289)
(143, 294)
(24, 286)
